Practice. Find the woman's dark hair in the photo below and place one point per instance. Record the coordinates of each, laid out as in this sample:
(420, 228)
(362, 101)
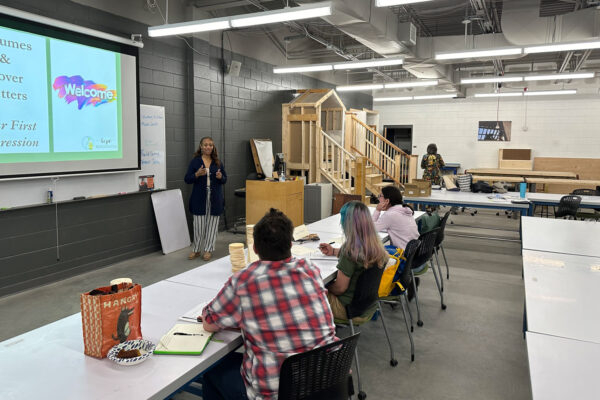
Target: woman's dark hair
(273, 236)
(214, 155)
(432, 149)
(392, 193)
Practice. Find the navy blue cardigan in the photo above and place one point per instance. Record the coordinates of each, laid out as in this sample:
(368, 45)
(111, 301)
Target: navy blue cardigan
(197, 203)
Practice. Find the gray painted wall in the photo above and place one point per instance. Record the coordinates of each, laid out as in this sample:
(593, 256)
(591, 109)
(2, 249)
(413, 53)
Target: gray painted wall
(188, 83)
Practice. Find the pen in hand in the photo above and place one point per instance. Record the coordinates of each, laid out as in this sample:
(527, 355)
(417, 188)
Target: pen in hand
(188, 334)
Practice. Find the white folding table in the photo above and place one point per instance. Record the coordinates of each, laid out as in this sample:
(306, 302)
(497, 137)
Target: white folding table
(562, 369)
(561, 236)
(562, 295)
(49, 362)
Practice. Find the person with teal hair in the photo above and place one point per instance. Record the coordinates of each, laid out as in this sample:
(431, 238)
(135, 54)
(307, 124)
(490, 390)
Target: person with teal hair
(362, 249)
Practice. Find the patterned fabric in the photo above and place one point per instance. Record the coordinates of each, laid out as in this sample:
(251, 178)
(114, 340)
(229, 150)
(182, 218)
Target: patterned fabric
(431, 164)
(282, 309)
(206, 228)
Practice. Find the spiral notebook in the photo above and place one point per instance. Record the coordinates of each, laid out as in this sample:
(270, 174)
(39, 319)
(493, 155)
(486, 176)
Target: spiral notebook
(187, 339)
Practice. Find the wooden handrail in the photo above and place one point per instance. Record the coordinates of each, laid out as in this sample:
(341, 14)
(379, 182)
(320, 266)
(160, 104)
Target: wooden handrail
(374, 132)
(378, 167)
(338, 145)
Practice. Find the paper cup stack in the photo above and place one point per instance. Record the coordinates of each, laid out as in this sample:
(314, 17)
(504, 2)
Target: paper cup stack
(237, 256)
(250, 241)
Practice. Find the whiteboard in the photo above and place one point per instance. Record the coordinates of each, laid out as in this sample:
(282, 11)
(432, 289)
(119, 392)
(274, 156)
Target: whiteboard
(31, 191)
(171, 220)
(152, 149)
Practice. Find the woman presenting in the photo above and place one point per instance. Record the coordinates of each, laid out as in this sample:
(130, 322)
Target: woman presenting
(207, 173)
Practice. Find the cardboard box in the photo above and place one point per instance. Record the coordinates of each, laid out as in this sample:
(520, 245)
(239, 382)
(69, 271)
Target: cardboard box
(417, 188)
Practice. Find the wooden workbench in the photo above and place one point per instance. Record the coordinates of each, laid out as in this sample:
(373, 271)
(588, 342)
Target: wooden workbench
(496, 178)
(561, 185)
(522, 173)
(287, 197)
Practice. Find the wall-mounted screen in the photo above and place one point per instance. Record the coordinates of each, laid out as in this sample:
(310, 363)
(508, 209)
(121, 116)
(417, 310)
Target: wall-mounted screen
(68, 102)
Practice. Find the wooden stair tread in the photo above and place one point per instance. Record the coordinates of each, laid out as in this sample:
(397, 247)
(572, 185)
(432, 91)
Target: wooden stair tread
(383, 184)
(372, 175)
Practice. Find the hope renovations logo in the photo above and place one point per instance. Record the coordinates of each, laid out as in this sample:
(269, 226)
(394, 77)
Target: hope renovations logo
(85, 92)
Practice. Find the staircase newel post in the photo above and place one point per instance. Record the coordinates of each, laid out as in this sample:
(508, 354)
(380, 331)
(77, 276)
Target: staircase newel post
(360, 178)
(398, 167)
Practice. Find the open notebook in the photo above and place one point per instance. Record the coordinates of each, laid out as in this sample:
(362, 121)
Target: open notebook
(188, 339)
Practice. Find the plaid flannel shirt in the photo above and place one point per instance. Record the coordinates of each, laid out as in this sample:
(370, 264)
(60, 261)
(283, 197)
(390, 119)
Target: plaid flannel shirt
(282, 309)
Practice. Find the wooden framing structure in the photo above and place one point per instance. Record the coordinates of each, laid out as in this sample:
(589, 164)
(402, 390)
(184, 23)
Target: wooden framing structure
(302, 120)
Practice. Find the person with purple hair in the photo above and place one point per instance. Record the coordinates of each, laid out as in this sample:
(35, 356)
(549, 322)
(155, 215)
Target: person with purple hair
(361, 250)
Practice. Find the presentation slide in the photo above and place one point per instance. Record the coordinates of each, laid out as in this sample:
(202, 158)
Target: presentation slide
(62, 106)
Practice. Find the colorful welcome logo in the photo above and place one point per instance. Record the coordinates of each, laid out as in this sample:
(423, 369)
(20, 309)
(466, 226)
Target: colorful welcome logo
(85, 92)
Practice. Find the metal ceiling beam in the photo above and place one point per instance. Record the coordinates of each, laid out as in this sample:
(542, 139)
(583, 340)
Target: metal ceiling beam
(212, 5)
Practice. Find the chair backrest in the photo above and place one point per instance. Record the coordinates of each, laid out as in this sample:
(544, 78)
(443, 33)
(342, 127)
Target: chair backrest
(585, 192)
(366, 292)
(318, 374)
(425, 250)
(568, 205)
(440, 236)
(409, 253)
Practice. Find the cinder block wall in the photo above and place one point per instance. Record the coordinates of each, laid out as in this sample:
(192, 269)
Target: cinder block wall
(189, 85)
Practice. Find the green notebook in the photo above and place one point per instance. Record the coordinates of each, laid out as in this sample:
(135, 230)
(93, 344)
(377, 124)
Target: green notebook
(190, 339)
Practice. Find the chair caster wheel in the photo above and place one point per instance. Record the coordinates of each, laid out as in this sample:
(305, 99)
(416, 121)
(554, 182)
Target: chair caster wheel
(412, 328)
(448, 277)
(443, 306)
(362, 396)
(420, 323)
(393, 362)
(412, 357)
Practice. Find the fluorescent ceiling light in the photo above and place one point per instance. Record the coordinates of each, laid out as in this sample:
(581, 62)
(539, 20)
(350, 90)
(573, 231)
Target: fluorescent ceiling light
(303, 68)
(286, 14)
(359, 87)
(563, 47)
(507, 51)
(550, 92)
(411, 84)
(392, 98)
(378, 62)
(505, 94)
(183, 28)
(387, 3)
(435, 96)
(496, 79)
(238, 21)
(583, 75)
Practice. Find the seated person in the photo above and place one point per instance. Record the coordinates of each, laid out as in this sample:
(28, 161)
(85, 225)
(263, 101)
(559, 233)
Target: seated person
(430, 220)
(281, 307)
(397, 220)
(361, 250)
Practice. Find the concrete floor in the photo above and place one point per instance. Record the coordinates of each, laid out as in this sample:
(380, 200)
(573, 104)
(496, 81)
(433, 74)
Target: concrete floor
(473, 350)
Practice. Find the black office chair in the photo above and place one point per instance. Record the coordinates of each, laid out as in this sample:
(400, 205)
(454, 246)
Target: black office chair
(319, 374)
(438, 245)
(424, 255)
(588, 213)
(567, 207)
(396, 298)
(366, 296)
(585, 192)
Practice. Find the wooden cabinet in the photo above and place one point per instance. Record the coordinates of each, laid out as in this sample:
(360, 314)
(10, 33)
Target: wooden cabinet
(287, 197)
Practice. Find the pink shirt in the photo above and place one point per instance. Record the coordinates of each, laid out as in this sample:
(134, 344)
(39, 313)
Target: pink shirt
(399, 223)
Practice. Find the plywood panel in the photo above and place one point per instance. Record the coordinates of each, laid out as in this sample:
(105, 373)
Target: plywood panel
(586, 168)
(295, 142)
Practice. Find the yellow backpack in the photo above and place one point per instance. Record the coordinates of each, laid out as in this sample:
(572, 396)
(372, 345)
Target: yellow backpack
(387, 283)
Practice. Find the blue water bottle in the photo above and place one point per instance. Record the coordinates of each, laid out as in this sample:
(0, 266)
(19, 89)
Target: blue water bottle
(49, 196)
(522, 189)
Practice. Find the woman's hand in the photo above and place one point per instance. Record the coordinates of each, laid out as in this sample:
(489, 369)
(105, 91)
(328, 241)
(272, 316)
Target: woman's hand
(219, 175)
(326, 249)
(201, 171)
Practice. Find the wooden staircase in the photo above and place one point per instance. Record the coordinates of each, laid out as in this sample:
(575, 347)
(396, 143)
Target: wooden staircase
(385, 161)
(344, 170)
